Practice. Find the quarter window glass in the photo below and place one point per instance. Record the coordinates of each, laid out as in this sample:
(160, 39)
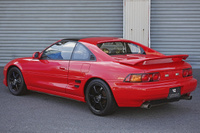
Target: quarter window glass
(134, 48)
(81, 53)
(59, 51)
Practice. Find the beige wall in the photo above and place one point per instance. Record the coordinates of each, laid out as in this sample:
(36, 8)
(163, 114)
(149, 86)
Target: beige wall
(136, 20)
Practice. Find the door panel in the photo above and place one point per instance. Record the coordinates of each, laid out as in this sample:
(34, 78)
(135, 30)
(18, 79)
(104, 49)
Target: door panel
(48, 74)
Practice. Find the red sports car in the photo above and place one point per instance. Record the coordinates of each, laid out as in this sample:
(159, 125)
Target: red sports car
(104, 72)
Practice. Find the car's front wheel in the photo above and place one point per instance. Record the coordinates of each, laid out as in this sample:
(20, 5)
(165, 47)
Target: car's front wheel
(99, 98)
(16, 82)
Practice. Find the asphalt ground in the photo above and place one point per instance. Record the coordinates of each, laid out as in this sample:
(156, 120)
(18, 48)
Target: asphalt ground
(42, 113)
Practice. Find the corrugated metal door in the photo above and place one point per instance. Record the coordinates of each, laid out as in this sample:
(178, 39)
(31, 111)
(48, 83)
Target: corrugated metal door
(136, 21)
(175, 28)
(27, 26)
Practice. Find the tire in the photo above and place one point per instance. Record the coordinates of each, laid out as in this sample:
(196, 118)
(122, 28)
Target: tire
(16, 84)
(99, 98)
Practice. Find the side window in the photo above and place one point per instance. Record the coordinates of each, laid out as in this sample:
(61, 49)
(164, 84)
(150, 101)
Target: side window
(59, 51)
(82, 53)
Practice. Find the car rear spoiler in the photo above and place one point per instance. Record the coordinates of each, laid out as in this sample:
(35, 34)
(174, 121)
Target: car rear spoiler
(155, 60)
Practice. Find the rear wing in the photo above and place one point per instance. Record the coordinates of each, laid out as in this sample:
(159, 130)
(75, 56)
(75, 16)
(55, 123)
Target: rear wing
(155, 60)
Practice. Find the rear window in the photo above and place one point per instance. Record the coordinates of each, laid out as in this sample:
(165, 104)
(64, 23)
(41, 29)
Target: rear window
(117, 48)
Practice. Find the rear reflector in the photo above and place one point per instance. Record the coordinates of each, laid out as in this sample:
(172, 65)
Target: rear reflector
(187, 72)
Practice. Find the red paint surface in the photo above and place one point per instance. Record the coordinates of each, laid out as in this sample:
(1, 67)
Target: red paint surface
(58, 77)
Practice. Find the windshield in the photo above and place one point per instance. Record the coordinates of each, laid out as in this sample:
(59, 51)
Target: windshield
(117, 48)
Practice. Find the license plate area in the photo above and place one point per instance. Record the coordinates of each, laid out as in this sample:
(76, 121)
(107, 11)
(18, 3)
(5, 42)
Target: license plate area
(174, 93)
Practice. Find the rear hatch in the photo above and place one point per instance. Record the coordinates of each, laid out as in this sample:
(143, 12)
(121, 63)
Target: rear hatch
(169, 67)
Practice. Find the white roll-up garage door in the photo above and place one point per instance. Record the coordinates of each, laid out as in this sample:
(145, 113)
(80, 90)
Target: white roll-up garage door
(175, 28)
(27, 26)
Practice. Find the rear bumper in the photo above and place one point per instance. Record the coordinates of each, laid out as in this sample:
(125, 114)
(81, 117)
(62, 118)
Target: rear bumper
(135, 94)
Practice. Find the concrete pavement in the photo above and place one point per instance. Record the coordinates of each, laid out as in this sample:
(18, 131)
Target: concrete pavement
(41, 113)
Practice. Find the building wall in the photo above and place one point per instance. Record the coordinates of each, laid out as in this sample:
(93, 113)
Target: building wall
(175, 28)
(27, 26)
(169, 26)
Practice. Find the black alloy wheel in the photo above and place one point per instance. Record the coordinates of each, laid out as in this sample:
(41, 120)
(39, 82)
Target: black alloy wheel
(16, 82)
(99, 98)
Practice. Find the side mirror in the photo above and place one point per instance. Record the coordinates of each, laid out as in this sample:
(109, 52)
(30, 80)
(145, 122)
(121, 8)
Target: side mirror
(36, 55)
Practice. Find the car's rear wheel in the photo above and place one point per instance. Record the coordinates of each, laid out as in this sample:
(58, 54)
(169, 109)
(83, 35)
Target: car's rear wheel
(99, 98)
(16, 82)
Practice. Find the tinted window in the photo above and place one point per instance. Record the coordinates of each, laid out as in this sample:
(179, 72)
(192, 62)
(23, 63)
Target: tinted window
(59, 51)
(82, 53)
(116, 48)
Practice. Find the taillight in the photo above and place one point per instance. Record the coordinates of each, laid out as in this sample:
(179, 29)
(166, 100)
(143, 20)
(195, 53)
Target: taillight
(187, 72)
(133, 78)
(156, 76)
(145, 77)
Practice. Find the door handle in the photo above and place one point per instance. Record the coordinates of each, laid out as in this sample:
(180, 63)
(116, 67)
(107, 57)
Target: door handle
(62, 68)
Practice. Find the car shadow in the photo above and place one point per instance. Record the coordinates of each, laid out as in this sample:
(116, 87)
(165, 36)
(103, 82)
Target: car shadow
(168, 109)
(55, 99)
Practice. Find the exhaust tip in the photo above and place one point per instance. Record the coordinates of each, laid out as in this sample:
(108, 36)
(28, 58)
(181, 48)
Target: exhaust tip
(146, 105)
(187, 97)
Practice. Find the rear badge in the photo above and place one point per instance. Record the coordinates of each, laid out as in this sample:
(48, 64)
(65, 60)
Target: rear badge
(166, 75)
(174, 90)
